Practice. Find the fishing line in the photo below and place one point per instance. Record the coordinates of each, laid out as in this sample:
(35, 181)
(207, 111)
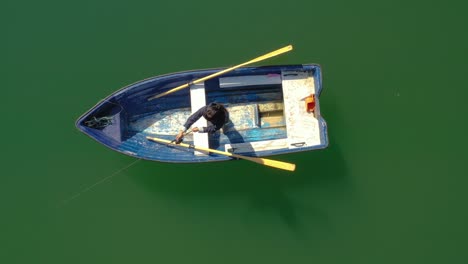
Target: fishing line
(105, 178)
(64, 202)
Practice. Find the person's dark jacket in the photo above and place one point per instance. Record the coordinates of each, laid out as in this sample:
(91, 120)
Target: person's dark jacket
(215, 114)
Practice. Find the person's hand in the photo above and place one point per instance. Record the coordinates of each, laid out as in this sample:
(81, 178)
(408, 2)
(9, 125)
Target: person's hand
(179, 137)
(195, 129)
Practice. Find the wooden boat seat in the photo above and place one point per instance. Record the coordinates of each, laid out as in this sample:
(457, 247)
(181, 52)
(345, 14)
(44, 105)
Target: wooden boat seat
(198, 100)
(302, 127)
(241, 81)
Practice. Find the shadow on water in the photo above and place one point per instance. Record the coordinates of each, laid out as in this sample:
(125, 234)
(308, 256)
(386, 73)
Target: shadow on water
(270, 192)
(298, 199)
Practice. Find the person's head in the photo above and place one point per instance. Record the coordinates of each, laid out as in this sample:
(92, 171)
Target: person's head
(212, 110)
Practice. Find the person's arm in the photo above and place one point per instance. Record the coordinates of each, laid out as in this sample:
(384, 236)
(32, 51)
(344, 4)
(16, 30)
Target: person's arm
(193, 118)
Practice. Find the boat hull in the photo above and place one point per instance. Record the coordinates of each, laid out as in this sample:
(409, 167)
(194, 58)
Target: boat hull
(265, 106)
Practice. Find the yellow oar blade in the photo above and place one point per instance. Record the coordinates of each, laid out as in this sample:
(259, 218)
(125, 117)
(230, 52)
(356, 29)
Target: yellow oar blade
(263, 57)
(267, 162)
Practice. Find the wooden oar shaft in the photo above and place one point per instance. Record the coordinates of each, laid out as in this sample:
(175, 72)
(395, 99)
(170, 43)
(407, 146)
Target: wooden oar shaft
(263, 57)
(268, 162)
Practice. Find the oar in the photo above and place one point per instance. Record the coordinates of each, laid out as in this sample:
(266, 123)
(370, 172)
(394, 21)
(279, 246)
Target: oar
(264, 57)
(267, 162)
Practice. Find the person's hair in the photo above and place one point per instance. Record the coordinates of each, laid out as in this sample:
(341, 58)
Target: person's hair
(212, 110)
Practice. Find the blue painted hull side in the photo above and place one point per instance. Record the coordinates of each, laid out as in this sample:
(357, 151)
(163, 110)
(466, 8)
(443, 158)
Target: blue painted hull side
(130, 104)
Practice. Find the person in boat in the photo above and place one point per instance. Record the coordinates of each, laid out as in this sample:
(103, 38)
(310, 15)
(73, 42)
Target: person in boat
(216, 115)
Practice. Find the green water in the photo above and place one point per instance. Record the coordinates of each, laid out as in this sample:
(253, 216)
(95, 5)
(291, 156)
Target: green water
(389, 189)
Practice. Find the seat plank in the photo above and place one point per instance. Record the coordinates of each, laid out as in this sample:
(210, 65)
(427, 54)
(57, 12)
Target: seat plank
(198, 100)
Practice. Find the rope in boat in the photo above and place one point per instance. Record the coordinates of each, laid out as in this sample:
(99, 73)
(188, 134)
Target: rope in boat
(100, 122)
(103, 121)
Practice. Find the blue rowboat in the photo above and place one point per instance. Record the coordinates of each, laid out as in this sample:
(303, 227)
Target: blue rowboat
(272, 109)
